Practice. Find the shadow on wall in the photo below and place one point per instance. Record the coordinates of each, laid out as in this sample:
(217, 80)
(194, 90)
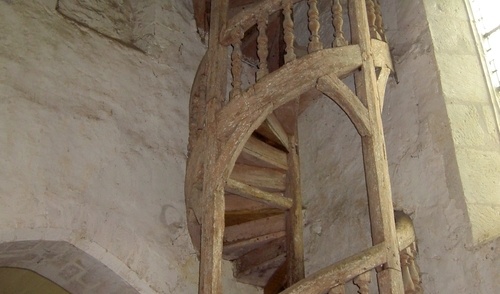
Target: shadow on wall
(65, 265)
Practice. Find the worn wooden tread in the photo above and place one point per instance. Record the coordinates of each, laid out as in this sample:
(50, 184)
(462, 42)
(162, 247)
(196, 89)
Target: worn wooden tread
(273, 130)
(236, 249)
(260, 256)
(254, 228)
(259, 276)
(271, 180)
(276, 200)
(264, 152)
(236, 217)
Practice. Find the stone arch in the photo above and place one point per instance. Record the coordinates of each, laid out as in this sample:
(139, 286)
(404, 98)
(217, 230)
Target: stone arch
(66, 265)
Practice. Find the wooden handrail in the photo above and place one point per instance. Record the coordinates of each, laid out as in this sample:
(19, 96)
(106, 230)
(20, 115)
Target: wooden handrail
(341, 272)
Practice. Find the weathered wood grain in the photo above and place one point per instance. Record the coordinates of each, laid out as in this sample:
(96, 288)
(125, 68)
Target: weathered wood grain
(340, 272)
(270, 180)
(272, 199)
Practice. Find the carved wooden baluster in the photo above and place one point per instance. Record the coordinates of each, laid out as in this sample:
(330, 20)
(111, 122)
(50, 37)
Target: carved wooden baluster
(363, 282)
(338, 23)
(262, 51)
(405, 256)
(370, 9)
(313, 14)
(236, 66)
(379, 23)
(288, 31)
(340, 289)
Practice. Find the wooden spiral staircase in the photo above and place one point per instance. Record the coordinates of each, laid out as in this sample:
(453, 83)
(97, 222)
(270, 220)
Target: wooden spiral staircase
(242, 183)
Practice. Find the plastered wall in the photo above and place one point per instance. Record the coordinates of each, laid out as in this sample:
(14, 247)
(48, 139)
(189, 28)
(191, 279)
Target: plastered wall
(93, 136)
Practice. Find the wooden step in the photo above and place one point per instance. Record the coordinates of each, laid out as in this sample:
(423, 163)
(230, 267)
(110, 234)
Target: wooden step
(260, 275)
(276, 200)
(260, 256)
(236, 217)
(273, 130)
(259, 153)
(267, 179)
(235, 202)
(234, 250)
(255, 228)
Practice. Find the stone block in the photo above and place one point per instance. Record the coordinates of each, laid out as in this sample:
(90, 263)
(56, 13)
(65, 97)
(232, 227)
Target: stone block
(69, 271)
(485, 222)
(480, 175)
(467, 125)
(462, 78)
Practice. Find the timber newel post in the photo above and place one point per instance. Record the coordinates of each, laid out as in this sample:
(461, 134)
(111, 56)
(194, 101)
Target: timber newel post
(212, 229)
(374, 154)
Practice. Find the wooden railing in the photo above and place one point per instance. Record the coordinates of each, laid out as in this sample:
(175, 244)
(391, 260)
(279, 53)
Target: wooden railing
(258, 15)
(228, 125)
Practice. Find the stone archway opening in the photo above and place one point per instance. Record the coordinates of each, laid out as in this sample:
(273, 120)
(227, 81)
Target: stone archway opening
(65, 265)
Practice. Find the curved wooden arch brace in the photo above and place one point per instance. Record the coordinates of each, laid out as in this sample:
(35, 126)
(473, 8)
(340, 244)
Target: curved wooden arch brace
(238, 119)
(336, 90)
(242, 115)
(382, 78)
(288, 83)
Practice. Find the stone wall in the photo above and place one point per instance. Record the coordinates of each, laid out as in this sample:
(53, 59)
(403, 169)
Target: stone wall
(423, 159)
(93, 136)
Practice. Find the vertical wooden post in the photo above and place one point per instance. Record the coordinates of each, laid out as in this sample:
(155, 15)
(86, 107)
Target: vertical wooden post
(262, 47)
(295, 243)
(288, 31)
(236, 68)
(213, 191)
(374, 156)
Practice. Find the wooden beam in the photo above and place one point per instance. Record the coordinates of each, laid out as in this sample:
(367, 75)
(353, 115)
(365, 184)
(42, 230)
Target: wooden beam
(381, 54)
(382, 78)
(302, 73)
(265, 152)
(237, 217)
(234, 203)
(212, 224)
(336, 90)
(375, 156)
(264, 178)
(254, 228)
(340, 272)
(294, 218)
(271, 199)
(273, 130)
(236, 249)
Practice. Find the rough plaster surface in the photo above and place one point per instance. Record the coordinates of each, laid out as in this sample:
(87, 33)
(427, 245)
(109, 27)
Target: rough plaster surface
(333, 187)
(93, 139)
(423, 162)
